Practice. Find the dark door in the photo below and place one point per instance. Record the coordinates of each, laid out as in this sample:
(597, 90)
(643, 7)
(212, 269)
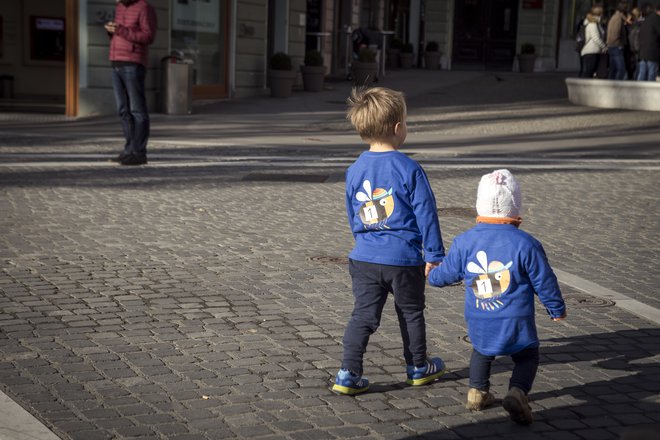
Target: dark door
(485, 34)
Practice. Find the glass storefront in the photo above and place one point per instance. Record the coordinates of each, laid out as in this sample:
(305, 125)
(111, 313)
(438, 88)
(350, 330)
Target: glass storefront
(199, 33)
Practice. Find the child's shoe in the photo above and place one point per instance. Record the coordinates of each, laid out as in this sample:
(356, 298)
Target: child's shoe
(516, 403)
(431, 370)
(350, 384)
(478, 400)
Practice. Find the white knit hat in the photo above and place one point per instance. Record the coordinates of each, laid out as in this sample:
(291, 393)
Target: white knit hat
(499, 195)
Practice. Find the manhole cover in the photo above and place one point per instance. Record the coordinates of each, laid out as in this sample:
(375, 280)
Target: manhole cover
(587, 301)
(282, 177)
(326, 259)
(456, 211)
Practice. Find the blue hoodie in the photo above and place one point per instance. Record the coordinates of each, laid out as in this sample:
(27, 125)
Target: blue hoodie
(392, 212)
(503, 267)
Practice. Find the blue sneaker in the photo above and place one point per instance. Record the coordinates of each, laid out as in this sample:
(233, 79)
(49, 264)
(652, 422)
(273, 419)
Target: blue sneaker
(431, 370)
(348, 383)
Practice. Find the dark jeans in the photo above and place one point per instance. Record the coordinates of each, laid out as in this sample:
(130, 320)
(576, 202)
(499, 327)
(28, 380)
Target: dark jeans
(617, 63)
(590, 65)
(371, 286)
(526, 363)
(128, 84)
(647, 70)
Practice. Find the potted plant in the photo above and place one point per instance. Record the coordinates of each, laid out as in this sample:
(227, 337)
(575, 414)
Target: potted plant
(365, 68)
(393, 52)
(432, 55)
(313, 72)
(527, 57)
(406, 56)
(282, 75)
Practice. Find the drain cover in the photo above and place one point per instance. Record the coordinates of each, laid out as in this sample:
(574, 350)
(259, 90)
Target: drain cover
(456, 211)
(282, 177)
(586, 301)
(328, 259)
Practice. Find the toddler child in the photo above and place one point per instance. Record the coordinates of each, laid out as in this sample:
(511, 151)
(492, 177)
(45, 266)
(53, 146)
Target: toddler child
(503, 267)
(393, 216)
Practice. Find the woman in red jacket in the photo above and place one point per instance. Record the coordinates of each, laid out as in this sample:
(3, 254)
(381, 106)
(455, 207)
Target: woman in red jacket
(131, 33)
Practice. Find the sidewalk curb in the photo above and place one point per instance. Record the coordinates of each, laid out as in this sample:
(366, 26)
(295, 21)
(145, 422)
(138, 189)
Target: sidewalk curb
(631, 305)
(18, 424)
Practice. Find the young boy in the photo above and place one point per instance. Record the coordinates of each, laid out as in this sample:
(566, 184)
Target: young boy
(393, 217)
(503, 268)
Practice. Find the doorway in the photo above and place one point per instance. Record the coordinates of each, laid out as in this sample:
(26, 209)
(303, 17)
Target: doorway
(485, 34)
(200, 33)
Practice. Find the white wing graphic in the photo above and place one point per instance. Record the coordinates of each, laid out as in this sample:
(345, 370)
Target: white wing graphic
(362, 197)
(483, 260)
(472, 267)
(367, 188)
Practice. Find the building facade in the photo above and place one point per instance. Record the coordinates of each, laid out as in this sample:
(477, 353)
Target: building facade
(54, 53)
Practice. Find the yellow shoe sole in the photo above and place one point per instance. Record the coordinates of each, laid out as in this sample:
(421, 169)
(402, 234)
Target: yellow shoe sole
(347, 390)
(425, 380)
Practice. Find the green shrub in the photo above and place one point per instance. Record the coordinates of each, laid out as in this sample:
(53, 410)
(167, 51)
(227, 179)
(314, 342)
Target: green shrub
(280, 61)
(527, 49)
(432, 46)
(366, 55)
(407, 48)
(313, 58)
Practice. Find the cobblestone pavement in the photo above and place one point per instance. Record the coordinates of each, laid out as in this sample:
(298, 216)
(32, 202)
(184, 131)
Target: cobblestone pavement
(206, 297)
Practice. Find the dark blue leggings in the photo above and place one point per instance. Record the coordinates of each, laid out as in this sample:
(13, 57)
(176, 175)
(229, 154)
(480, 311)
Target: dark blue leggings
(526, 363)
(371, 285)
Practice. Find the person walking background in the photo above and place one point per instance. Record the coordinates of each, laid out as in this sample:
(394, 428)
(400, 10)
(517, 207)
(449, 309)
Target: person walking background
(594, 46)
(649, 33)
(131, 33)
(616, 37)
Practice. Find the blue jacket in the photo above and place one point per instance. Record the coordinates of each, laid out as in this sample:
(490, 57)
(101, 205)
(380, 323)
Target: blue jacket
(503, 267)
(392, 212)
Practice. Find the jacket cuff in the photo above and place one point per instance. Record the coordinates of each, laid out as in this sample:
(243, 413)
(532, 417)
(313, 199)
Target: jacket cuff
(434, 257)
(557, 313)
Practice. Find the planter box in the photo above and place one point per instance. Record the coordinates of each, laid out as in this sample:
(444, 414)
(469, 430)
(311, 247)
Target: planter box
(281, 83)
(393, 58)
(313, 77)
(406, 60)
(605, 93)
(364, 73)
(526, 62)
(432, 60)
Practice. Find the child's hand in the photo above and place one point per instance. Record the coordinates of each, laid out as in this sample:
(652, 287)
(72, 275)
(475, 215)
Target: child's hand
(560, 318)
(429, 267)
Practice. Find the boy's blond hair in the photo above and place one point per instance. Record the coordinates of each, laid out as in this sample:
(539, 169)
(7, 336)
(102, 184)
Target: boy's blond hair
(375, 112)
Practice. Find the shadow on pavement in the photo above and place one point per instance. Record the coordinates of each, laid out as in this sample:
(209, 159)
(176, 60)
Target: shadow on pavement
(620, 406)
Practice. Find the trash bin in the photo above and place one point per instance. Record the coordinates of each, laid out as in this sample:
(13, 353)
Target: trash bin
(176, 86)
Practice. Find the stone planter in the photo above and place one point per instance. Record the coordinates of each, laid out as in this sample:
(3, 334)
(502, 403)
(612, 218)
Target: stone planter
(281, 83)
(364, 73)
(406, 60)
(393, 58)
(526, 62)
(432, 60)
(313, 77)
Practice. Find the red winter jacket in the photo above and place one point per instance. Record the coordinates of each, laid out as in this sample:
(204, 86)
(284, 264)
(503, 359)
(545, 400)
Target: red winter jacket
(136, 30)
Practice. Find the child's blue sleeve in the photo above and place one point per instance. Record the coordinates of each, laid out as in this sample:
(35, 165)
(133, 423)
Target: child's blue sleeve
(349, 209)
(544, 281)
(451, 269)
(426, 213)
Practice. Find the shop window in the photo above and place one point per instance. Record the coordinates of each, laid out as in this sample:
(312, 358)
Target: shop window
(47, 41)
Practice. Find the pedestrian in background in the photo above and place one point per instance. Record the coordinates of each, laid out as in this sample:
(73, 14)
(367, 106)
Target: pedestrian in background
(131, 32)
(594, 47)
(631, 52)
(503, 268)
(616, 40)
(649, 33)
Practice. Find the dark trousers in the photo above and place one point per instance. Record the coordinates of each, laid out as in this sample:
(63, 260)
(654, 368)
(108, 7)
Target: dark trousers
(371, 285)
(590, 65)
(128, 85)
(526, 363)
(617, 63)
